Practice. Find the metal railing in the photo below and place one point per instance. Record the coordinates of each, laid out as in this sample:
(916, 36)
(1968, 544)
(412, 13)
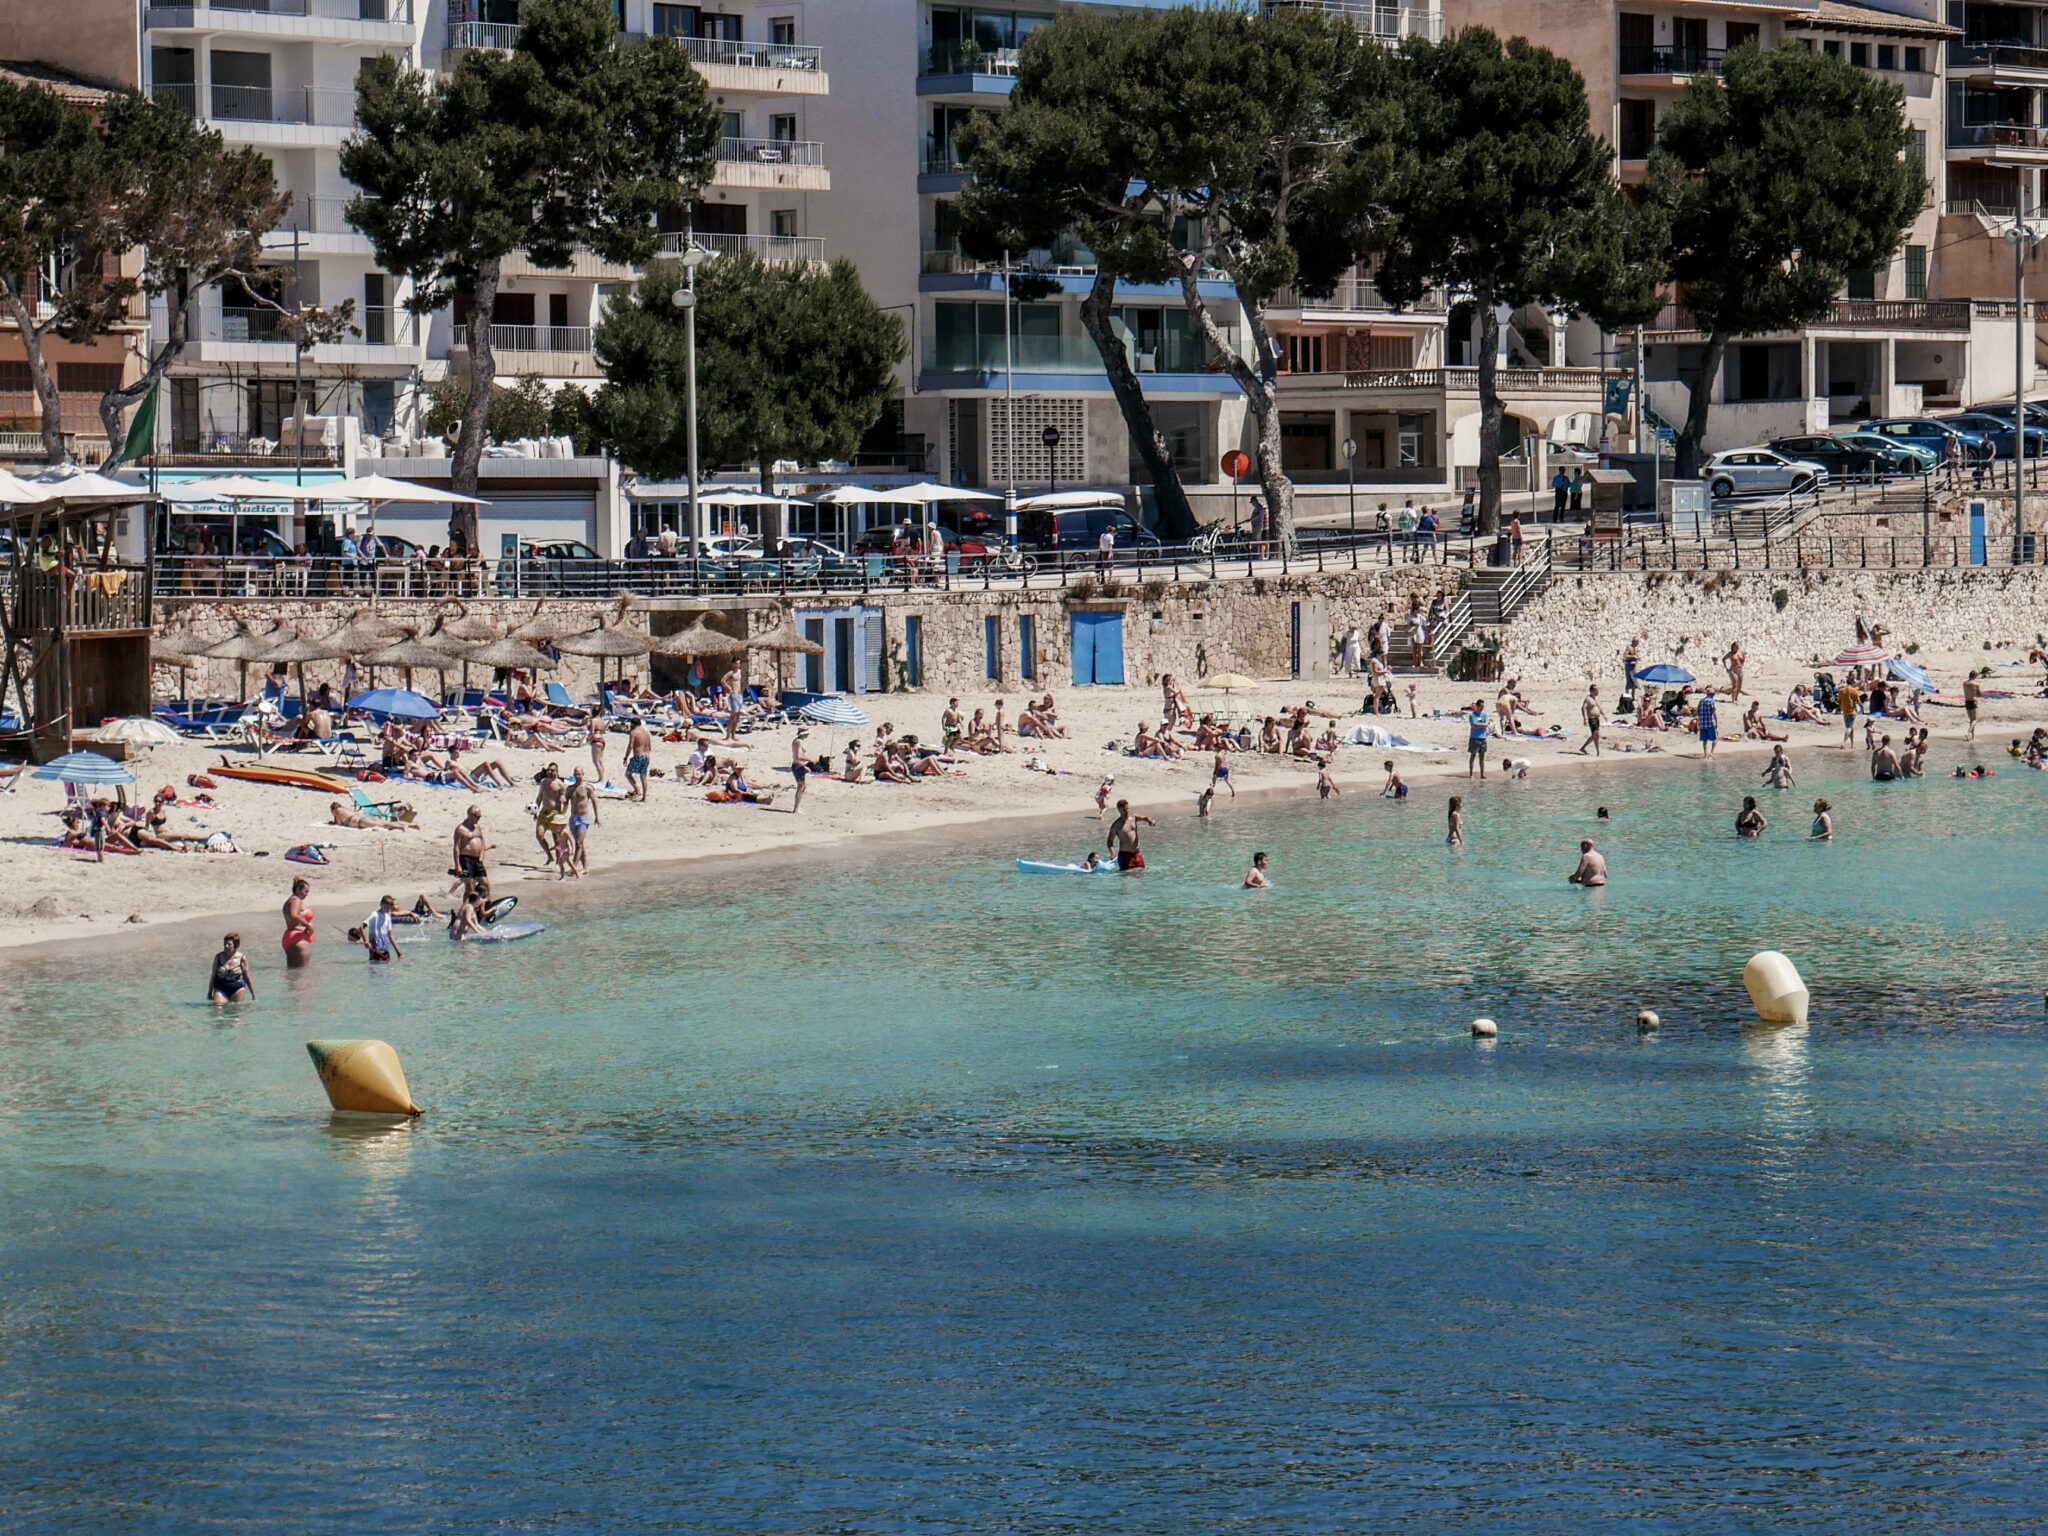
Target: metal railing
(734, 54)
(1983, 210)
(252, 322)
(776, 250)
(1996, 56)
(1170, 352)
(317, 215)
(182, 94)
(1999, 135)
(1523, 580)
(1388, 23)
(482, 34)
(530, 338)
(206, 12)
(771, 152)
(1357, 293)
(965, 57)
(1547, 381)
(323, 106)
(1635, 59)
(1896, 314)
(938, 159)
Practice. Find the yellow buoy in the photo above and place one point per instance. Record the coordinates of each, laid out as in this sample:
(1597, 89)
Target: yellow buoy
(1775, 988)
(362, 1075)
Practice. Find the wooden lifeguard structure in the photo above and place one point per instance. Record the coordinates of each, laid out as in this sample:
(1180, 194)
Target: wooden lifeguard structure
(74, 619)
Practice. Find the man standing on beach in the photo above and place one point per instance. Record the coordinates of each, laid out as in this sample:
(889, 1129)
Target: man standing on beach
(735, 700)
(470, 846)
(1123, 836)
(582, 816)
(1973, 694)
(1475, 739)
(1709, 725)
(1590, 711)
(799, 767)
(1592, 868)
(639, 750)
(548, 802)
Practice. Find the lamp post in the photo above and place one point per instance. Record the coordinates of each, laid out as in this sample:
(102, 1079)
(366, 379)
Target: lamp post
(685, 299)
(1351, 475)
(1010, 415)
(2022, 235)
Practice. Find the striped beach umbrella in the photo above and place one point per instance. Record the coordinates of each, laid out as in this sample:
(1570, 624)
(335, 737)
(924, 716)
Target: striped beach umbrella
(84, 768)
(138, 731)
(1862, 655)
(832, 712)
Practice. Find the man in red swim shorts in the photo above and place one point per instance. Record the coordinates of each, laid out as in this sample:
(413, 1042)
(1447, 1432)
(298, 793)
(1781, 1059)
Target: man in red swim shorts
(1123, 836)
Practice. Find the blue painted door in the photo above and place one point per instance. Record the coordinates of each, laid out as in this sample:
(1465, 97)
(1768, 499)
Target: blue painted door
(1976, 533)
(1098, 647)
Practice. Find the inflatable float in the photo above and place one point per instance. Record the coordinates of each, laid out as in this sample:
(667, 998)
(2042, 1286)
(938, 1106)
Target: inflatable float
(497, 907)
(504, 933)
(1042, 867)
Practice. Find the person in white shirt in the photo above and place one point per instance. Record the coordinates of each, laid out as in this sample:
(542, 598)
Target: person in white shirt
(1105, 548)
(1347, 652)
(378, 938)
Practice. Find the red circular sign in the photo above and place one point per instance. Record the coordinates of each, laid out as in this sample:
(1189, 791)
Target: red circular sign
(1236, 462)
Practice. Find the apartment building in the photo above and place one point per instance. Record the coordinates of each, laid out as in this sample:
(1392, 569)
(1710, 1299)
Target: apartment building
(1994, 149)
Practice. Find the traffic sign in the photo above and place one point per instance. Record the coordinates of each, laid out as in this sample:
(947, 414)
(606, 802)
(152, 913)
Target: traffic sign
(1236, 462)
(1050, 437)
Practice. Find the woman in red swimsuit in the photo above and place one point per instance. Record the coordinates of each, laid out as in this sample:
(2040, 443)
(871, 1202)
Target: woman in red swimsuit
(298, 927)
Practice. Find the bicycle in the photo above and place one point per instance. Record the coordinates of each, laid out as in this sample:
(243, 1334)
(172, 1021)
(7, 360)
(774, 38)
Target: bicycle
(1009, 560)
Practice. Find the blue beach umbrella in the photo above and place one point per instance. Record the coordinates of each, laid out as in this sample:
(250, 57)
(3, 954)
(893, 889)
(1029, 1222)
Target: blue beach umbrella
(381, 703)
(832, 712)
(84, 768)
(1911, 672)
(1663, 672)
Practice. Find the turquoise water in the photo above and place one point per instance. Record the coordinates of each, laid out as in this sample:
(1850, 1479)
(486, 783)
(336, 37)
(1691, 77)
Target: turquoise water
(875, 1196)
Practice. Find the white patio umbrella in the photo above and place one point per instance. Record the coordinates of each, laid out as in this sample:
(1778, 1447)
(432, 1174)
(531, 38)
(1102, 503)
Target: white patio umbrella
(16, 492)
(239, 488)
(73, 484)
(375, 490)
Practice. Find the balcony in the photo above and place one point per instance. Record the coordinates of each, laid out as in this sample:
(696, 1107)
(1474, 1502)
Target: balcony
(1358, 295)
(727, 64)
(1672, 63)
(1848, 314)
(2009, 143)
(500, 35)
(275, 17)
(775, 250)
(1998, 63)
(382, 332)
(1587, 382)
(1175, 352)
(1388, 23)
(238, 109)
(939, 159)
(557, 351)
(796, 164)
(964, 70)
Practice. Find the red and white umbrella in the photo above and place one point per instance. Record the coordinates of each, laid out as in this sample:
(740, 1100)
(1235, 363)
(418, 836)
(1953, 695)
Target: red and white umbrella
(1864, 655)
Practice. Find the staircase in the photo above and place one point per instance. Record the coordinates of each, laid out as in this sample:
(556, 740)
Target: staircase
(1497, 590)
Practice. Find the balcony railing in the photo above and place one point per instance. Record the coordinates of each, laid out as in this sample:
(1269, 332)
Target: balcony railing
(1514, 381)
(938, 159)
(182, 94)
(327, 106)
(97, 598)
(531, 338)
(964, 57)
(1357, 293)
(202, 12)
(239, 322)
(733, 54)
(1173, 352)
(1638, 60)
(1981, 209)
(1996, 56)
(771, 152)
(776, 250)
(1895, 314)
(317, 215)
(1388, 23)
(482, 34)
(1997, 135)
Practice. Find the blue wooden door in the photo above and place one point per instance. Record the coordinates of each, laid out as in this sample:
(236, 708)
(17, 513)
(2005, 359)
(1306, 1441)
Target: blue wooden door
(1098, 645)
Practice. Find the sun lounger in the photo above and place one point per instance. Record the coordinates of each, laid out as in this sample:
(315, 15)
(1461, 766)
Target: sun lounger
(378, 810)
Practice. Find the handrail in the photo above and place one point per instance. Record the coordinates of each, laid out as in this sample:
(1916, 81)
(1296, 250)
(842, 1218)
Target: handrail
(1524, 579)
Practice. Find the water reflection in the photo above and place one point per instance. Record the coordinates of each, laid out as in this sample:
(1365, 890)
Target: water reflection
(1780, 1053)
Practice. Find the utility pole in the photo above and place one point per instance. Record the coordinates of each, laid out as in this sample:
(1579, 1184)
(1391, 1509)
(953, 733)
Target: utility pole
(2022, 236)
(685, 299)
(1010, 416)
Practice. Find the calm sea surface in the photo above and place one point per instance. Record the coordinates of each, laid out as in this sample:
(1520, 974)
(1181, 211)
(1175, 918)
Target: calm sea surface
(866, 1196)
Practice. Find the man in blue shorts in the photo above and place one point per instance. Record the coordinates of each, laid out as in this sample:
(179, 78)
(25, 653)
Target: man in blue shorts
(1475, 742)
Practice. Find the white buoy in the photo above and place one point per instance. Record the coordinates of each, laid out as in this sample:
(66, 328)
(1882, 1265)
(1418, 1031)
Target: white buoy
(1485, 1027)
(1775, 988)
(1647, 1020)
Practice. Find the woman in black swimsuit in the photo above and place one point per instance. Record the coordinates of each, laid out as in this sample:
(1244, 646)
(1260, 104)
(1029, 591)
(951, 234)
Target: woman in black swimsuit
(1749, 821)
(230, 983)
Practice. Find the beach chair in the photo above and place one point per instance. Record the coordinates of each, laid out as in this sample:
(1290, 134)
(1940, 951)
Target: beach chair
(378, 810)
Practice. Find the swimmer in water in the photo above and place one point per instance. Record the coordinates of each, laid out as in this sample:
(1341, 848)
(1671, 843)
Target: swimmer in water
(1823, 826)
(1749, 821)
(1455, 838)
(1592, 868)
(1093, 862)
(230, 980)
(1601, 814)
(1255, 877)
(1325, 785)
(1393, 789)
(1778, 771)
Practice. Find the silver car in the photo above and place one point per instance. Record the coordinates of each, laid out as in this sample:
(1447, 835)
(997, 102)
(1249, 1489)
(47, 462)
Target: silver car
(1748, 471)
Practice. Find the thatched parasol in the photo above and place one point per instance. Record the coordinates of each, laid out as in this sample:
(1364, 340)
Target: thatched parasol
(297, 649)
(177, 648)
(242, 647)
(542, 627)
(509, 655)
(784, 640)
(469, 630)
(613, 641)
(410, 653)
(699, 639)
(363, 633)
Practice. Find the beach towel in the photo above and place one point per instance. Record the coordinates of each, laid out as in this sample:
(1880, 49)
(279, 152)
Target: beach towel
(1386, 740)
(306, 853)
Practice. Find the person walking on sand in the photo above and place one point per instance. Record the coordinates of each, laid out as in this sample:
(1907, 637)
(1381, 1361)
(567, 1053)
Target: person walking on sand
(1592, 868)
(1455, 837)
(1102, 794)
(1220, 774)
(1589, 711)
(1735, 661)
(1123, 836)
(549, 801)
(639, 752)
(597, 734)
(1973, 695)
(582, 817)
(799, 768)
(1255, 877)
(470, 846)
(1847, 700)
(1710, 731)
(298, 927)
(1475, 739)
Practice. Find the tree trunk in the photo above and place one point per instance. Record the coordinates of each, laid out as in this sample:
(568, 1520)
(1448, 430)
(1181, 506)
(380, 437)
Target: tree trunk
(1261, 396)
(768, 472)
(114, 401)
(1490, 412)
(50, 407)
(1698, 401)
(1176, 518)
(476, 407)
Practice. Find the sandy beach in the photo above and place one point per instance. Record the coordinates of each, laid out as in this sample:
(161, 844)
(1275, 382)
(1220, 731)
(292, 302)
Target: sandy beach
(56, 895)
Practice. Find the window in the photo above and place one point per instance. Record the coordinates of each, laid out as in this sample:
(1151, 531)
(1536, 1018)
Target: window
(380, 406)
(913, 650)
(1638, 128)
(782, 128)
(1412, 442)
(1307, 442)
(992, 648)
(1638, 43)
(1740, 32)
(782, 223)
(782, 31)
(1831, 48)
(1304, 354)
(1916, 61)
(735, 126)
(1862, 285)
(1916, 271)
(376, 309)
(1688, 44)
(1762, 371)
(1859, 55)
(1918, 148)
(674, 21)
(1887, 56)
(1027, 648)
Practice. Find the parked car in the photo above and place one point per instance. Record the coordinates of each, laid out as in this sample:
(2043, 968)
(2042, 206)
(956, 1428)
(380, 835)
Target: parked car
(1081, 527)
(1931, 433)
(567, 566)
(1906, 458)
(2037, 411)
(189, 535)
(1754, 471)
(1842, 459)
(1998, 430)
(905, 541)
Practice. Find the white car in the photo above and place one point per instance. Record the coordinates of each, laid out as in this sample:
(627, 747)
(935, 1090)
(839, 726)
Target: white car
(1747, 471)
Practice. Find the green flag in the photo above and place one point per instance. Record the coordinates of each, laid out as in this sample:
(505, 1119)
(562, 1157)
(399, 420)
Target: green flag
(142, 428)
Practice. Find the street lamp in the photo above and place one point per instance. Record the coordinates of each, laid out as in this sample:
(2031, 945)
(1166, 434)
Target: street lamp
(1351, 473)
(685, 299)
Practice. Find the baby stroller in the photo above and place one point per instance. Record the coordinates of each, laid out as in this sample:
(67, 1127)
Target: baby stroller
(1824, 691)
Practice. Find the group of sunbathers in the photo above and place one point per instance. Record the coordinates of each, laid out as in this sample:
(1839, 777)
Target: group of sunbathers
(102, 827)
(409, 753)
